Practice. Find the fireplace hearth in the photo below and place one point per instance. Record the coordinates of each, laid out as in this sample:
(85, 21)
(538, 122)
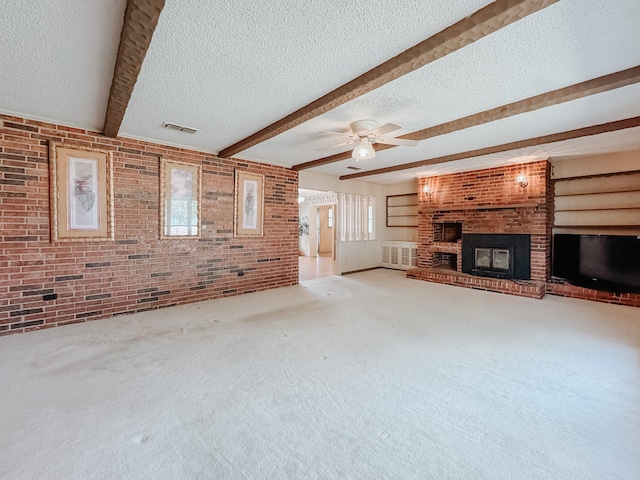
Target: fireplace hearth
(504, 256)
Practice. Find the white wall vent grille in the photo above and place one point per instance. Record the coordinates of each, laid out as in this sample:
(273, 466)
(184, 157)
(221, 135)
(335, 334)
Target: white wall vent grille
(180, 128)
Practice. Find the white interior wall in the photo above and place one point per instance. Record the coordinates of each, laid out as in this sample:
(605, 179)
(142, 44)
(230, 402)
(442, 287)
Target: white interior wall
(313, 231)
(357, 255)
(404, 234)
(360, 255)
(585, 165)
(304, 240)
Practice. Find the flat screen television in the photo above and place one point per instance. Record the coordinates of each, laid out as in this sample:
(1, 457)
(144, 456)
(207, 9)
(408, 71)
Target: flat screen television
(601, 262)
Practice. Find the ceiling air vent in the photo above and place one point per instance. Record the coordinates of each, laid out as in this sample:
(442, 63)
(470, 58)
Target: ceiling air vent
(180, 128)
(354, 168)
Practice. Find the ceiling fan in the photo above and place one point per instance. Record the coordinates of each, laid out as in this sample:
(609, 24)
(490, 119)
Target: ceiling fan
(365, 134)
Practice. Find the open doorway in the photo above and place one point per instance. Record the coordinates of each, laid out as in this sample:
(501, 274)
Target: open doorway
(317, 234)
(325, 230)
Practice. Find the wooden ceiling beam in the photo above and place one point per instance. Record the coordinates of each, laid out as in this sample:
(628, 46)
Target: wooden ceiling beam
(555, 97)
(335, 158)
(531, 142)
(548, 99)
(485, 21)
(140, 20)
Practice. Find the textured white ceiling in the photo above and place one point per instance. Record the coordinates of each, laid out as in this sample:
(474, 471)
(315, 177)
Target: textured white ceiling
(584, 112)
(232, 68)
(57, 58)
(566, 43)
(229, 69)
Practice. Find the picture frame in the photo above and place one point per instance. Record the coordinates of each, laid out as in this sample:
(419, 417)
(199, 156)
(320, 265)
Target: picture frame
(249, 204)
(180, 204)
(81, 193)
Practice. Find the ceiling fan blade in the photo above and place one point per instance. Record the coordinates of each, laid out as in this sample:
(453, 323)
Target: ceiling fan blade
(397, 141)
(348, 142)
(337, 133)
(386, 128)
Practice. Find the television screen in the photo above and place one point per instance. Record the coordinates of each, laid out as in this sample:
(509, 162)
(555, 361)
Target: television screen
(603, 262)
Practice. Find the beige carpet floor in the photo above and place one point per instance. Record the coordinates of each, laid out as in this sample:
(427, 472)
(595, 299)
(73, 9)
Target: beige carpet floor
(366, 376)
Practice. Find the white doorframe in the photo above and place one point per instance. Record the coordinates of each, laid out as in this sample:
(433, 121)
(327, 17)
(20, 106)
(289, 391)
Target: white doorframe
(313, 231)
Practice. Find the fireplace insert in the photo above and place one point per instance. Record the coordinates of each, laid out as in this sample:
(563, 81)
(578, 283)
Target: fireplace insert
(498, 261)
(497, 255)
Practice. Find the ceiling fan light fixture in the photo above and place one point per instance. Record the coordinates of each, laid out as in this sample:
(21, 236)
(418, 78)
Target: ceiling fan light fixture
(364, 150)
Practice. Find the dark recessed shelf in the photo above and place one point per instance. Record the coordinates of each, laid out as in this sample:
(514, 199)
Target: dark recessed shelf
(447, 232)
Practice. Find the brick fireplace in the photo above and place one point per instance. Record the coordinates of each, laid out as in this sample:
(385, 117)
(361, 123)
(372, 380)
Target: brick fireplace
(480, 204)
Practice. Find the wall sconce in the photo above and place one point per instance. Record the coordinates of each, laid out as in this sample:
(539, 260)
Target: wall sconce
(522, 180)
(427, 190)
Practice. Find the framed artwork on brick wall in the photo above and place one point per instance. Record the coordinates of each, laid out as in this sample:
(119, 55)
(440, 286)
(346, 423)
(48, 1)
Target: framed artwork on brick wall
(81, 190)
(249, 204)
(180, 186)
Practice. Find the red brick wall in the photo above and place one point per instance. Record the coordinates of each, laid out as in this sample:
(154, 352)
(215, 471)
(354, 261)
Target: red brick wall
(563, 289)
(137, 271)
(472, 197)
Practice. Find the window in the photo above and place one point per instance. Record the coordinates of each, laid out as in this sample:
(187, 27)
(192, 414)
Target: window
(330, 219)
(180, 185)
(183, 216)
(370, 219)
